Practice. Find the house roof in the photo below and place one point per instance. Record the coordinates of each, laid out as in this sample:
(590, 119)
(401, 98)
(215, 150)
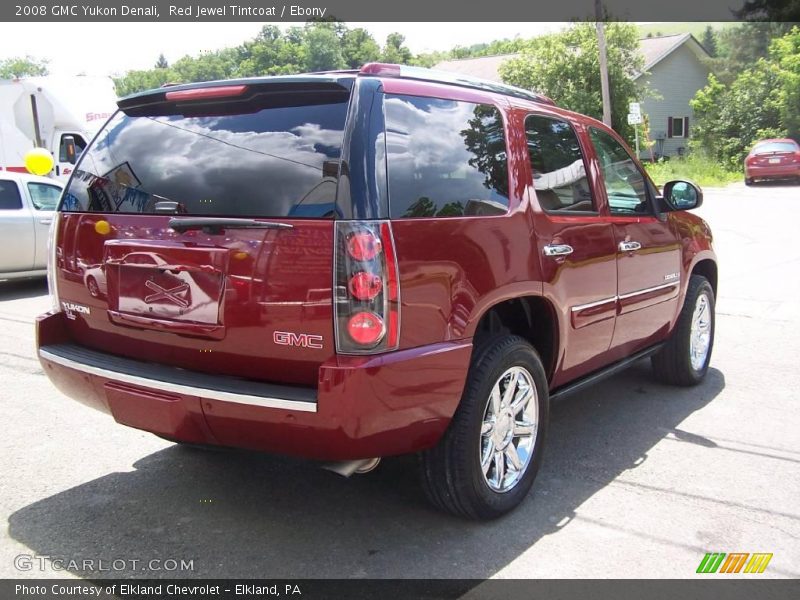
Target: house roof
(654, 50)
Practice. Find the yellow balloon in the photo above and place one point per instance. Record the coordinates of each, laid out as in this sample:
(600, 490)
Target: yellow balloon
(39, 161)
(102, 227)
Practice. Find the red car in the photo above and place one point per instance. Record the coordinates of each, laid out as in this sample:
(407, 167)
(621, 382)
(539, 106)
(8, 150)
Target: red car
(772, 159)
(355, 265)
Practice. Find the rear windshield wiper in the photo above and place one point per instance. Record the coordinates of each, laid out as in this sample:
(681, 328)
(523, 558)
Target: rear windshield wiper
(213, 225)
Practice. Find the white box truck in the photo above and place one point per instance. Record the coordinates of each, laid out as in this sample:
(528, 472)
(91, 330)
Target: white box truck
(60, 114)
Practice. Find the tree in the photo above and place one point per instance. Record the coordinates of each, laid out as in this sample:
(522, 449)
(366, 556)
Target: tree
(785, 56)
(22, 66)
(394, 51)
(324, 48)
(740, 47)
(787, 11)
(359, 48)
(710, 41)
(566, 67)
(162, 63)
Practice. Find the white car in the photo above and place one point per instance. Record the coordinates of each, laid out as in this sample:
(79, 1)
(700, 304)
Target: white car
(27, 204)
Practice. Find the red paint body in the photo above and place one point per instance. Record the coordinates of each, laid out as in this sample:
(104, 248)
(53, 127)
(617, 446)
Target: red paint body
(252, 283)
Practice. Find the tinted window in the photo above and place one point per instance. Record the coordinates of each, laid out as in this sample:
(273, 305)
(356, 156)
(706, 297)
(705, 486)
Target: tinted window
(44, 196)
(559, 171)
(445, 158)
(625, 184)
(776, 147)
(9, 195)
(273, 156)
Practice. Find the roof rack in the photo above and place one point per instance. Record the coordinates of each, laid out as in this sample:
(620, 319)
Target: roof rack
(436, 76)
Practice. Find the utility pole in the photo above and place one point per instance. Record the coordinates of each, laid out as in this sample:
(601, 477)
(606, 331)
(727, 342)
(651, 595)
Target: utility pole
(601, 44)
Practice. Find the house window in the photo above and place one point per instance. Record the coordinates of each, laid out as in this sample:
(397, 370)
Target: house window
(678, 127)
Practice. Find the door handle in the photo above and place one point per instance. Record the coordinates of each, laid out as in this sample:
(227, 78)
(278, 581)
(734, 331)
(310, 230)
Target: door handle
(557, 250)
(45, 221)
(629, 246)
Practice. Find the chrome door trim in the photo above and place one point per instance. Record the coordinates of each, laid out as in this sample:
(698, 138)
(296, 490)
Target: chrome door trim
(593, 304)
(655, 288)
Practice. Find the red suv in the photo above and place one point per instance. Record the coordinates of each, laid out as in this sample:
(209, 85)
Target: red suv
(351, 265)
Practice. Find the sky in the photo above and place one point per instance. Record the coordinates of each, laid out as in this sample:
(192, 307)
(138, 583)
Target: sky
(113, 48)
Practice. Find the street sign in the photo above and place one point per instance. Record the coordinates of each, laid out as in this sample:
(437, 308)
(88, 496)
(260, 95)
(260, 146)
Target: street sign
(635, 108)
(634, 118)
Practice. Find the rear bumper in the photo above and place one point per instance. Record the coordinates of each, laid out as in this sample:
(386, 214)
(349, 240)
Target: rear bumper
(772, 172)
(362, 407)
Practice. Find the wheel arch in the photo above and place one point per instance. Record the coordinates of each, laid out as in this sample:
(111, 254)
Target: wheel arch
(531, 317)
(707, 267)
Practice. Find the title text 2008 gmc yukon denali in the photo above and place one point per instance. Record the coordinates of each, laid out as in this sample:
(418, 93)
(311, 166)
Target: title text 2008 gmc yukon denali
(352, 265)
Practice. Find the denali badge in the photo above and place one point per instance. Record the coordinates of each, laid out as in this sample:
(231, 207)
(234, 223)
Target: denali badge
(671, 276)
(303, 340)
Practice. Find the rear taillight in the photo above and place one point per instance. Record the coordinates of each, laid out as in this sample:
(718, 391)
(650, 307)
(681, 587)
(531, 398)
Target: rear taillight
(796, 157)
(366, 288)
(52, 262)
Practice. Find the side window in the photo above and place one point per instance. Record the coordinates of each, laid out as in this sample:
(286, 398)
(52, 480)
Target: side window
(445, 158)
(44, 196)
(9, 195)
(80, 146)
(559, 170)
(625, 185)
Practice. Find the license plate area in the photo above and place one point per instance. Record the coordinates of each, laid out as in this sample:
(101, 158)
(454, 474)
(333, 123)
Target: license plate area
(165, 283)
(774, 161)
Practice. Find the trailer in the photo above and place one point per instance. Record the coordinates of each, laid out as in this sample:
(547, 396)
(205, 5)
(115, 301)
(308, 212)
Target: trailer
(60, 114)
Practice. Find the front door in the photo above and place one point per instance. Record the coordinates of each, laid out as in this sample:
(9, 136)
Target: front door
(44, 200)
(648, 251)
(575, 244)
(16, 230)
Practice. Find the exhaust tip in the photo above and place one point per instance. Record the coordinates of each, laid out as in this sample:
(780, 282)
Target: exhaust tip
(346, 468)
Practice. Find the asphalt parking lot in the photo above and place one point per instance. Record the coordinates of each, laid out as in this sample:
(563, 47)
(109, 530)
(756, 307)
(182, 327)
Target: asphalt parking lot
(639, 479)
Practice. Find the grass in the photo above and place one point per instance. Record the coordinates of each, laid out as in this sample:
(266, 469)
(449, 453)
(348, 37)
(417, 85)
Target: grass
(702, 171)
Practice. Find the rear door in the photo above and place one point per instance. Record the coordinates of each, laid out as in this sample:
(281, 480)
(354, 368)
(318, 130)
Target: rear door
(202, 227)
(16, 230)
(648, 250)
(575, 244)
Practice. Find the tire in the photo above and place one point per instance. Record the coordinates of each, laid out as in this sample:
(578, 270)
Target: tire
(452, 475)
(91, 285)
(748, 181)
(674, 363)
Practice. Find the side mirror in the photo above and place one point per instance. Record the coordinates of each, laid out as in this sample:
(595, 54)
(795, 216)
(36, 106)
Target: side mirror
(69, 145)
(681, 195)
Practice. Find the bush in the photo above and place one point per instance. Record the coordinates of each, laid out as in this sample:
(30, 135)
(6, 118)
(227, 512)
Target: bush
(701, 169)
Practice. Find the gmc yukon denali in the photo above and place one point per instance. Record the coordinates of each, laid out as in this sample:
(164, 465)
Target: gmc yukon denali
(352, 265)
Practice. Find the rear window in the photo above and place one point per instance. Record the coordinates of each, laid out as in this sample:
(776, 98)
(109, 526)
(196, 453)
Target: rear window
(776, 147)
(445, 158)
(275, 156)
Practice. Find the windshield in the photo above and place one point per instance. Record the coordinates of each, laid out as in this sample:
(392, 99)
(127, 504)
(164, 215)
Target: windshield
(266, 159)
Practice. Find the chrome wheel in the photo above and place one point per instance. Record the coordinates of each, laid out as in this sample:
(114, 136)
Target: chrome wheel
(700, 337)
(508, 431)
(94, 289)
